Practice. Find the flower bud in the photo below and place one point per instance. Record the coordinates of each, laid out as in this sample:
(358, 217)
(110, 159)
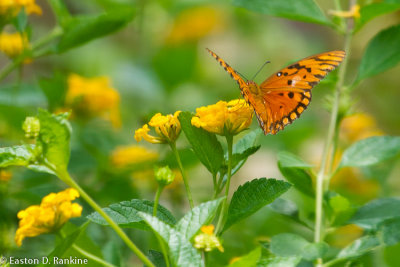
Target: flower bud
(207, 240)
(31, 126)
(164, 175)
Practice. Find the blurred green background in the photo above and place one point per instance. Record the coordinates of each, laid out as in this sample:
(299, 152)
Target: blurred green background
(158, 63)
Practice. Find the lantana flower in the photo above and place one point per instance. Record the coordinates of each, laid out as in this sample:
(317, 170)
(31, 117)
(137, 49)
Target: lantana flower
(207, 240)
(354, 12)
(52, 213)
(167, 128)
(14, 6)
(94, 97)
(124, 156)
(224, 118)
(13, 44)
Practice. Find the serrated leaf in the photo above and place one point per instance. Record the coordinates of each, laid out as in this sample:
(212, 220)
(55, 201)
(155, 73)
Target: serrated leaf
(289, 160)
(375, 212)
(371, 151)
(200, 215)
(16, 155)
(314, 251)
(374, 10)
(390, 230)
(182, 253)
(82, 29)
(252, 196)
(248, 260)
(126, 214)
(382, 53)
(245, 147)
(205, 145)
(55, 90)
(359, 247)
(54, 136)
(305, 10)
(157, 258)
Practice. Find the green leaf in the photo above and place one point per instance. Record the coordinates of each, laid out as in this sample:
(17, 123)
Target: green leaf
(200, 215)
(182, 253)
(126, 214)
(279, 262)
(382, 53)
(65, 244)
(54, 135)
(252, 196)
(285, 207)
(371, 151)
(157, 258)
(374, 10)
(359, 247)
(305, 10)
(205, 145)
(80, 30)
(375, 212)
(21, 20)
(292, 245)
(16, 155)
(294, 169)
(390, 231)
(248, 260)
(60, 9)
(245, 147)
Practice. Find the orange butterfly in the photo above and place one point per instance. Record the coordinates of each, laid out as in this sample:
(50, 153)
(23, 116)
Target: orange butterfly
(282, 97)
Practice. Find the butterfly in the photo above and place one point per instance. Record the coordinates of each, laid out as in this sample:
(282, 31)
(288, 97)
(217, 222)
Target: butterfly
(284, 96)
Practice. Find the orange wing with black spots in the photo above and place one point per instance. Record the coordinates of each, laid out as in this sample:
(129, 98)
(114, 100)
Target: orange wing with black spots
(287, 93)
(281, 98)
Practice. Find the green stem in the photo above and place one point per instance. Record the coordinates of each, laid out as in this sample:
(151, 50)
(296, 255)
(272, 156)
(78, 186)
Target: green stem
(156, 199)
(321, 176)
(185, 181)
(163, 249)
(91, 256)
(214, 176)
(64, 176)
(87, 254)
(222, 215)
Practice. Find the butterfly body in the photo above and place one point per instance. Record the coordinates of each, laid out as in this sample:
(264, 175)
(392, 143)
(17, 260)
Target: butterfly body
(284, 96)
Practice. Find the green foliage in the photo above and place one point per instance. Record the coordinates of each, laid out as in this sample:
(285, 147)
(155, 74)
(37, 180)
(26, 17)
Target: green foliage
(359, 247)
(382, 53)
(371, 151)
(126, 214)
(205, 145)
(295, 171)
(251, 259)
(157, 258)
(200, 215)
(83, 29)
(373, 10)
(16, 155)
(306, 10)
(252, 196)
(244, 148)
(182, 252)
(279, 262)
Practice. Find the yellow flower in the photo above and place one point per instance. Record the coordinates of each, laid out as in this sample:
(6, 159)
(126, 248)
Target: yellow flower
(14, 6)
(5, 176)
(359, 126)
(193, 24)
(207, 240)
(224, 118)
(345, 235)
(124, 156)
(13, 44)
(54, 210)
(94, 96)
(167, 128)
(354, 12)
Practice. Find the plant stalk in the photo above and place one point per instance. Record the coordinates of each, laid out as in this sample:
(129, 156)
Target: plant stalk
(156, 200)
(71, 182)
(185, 181)
(222, 215)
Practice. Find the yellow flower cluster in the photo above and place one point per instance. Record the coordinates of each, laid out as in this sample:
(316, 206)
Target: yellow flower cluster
(94, 96)
(359, 126)
(14, 6)
(224, 118)
(13, 44)
(193, 24)
(54, 210)
(207, 240)
(124, 156)
(167, 128)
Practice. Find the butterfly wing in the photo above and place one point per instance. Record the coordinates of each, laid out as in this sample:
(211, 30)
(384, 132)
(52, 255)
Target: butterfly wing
(287, 93)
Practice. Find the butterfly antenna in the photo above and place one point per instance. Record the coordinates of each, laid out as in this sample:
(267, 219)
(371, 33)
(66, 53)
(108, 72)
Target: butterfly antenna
(261, 69)
(244, 77)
